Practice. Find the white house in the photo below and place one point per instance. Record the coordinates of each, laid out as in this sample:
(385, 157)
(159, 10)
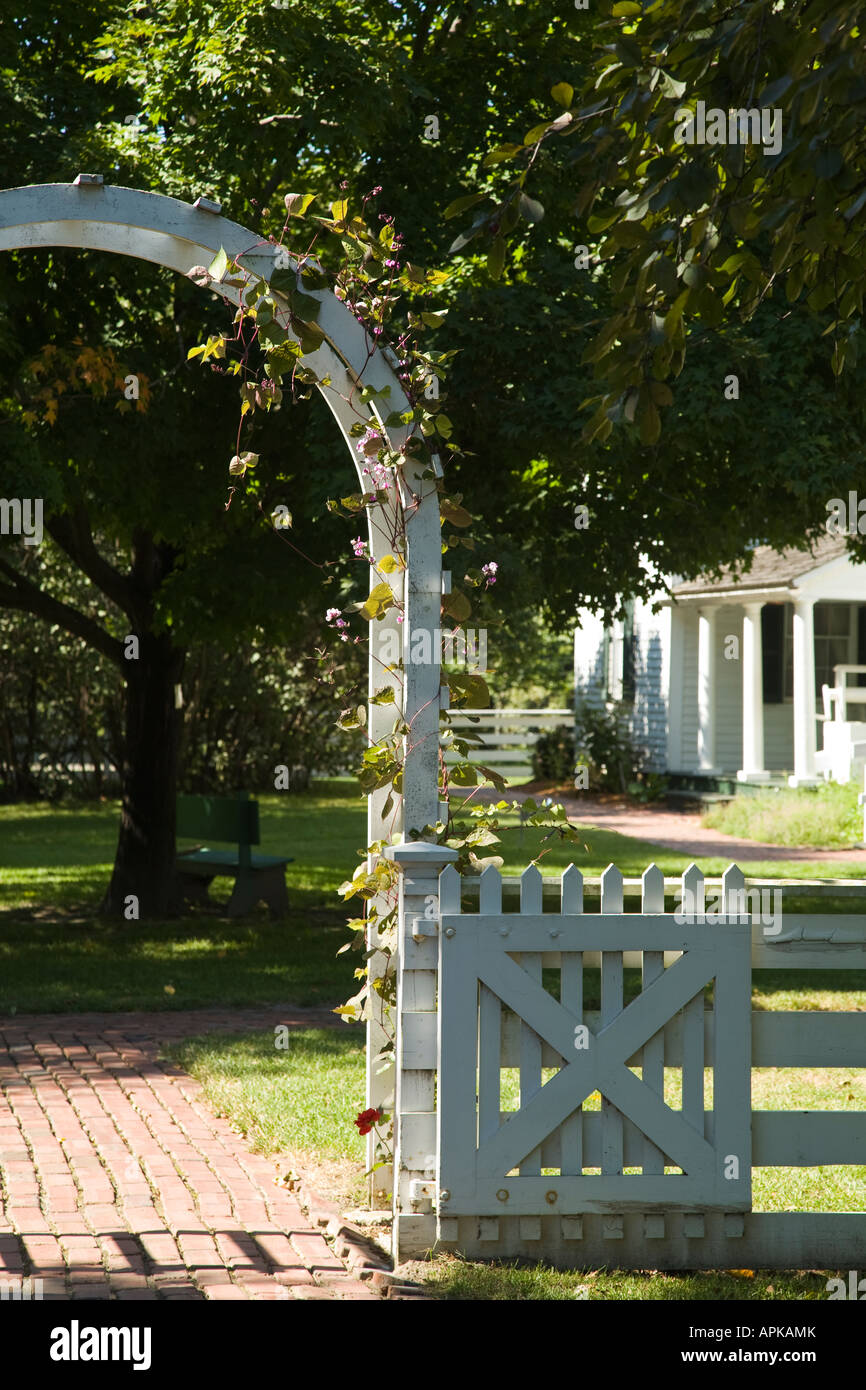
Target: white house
(751, 677)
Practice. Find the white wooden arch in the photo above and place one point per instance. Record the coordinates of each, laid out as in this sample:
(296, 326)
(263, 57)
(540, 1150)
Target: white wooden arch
(152, 227)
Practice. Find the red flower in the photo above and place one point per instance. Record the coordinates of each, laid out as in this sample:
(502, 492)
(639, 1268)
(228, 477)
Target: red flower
(366, 1120)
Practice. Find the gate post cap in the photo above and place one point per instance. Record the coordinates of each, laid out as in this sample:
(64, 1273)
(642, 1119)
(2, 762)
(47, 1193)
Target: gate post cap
(419, 852)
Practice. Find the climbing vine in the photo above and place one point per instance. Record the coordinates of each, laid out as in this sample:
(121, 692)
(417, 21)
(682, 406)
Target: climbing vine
(274, 333)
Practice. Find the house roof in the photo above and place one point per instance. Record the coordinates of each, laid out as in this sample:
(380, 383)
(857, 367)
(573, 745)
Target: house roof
(771, 569)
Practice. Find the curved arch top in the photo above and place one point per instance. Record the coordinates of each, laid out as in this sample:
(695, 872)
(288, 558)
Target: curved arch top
(90, 215)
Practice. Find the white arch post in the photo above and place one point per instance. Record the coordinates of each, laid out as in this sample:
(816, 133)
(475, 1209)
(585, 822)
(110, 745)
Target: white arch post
(150, 226)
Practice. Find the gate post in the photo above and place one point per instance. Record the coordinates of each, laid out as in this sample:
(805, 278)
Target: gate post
(420, 863)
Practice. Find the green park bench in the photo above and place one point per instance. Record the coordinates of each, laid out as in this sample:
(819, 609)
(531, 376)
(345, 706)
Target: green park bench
(258, 877)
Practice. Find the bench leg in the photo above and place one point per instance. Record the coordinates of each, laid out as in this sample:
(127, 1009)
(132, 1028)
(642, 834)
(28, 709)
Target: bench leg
(245, 895)
(278, 897)
(194, 889)
(263, 885)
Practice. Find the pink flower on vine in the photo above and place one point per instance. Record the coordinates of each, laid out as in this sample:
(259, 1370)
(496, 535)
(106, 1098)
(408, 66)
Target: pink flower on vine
(379, 477)
(334, 619)
(360, 548)
(370, 443)
(489, 572)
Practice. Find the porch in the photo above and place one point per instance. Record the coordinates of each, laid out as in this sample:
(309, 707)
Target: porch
(768, 674)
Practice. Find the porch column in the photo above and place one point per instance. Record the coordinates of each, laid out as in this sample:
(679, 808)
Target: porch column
(753, 696)
(707, 690)
(804, 693)
(672, 654)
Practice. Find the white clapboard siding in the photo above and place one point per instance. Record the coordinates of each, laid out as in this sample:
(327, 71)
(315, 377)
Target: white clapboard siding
(556, 1180)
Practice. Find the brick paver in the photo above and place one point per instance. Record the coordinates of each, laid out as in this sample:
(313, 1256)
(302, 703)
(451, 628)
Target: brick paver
(116, 1181)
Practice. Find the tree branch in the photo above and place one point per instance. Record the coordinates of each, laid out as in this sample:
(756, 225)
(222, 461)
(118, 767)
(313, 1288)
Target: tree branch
(72, 533)
(422, 33)
(24, 597)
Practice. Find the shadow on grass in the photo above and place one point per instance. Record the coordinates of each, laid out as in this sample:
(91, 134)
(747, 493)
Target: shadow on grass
(82, 963)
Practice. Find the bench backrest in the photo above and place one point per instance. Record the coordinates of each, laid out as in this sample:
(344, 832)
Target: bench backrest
(234, 818)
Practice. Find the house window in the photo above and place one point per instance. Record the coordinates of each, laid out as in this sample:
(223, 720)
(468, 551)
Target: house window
(628, 654)
(861, 641)
(839, 633)
(788, 645)
(834, 640)
(773, 646)
(619, 658)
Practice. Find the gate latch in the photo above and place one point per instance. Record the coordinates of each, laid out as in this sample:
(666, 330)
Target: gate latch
(422, 1189)
(419, 927)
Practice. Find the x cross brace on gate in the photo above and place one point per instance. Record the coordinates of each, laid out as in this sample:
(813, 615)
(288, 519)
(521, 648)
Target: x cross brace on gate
(601, 1068)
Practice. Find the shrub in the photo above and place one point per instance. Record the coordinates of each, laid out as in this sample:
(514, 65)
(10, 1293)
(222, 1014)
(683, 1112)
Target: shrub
(605, 747)
(827, 817)
(650, 786)
(553, 755)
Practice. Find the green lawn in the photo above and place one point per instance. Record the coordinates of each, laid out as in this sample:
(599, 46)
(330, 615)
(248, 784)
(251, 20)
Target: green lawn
(54, 856)
(56, 955)
(452, 1278)
(304, 1097)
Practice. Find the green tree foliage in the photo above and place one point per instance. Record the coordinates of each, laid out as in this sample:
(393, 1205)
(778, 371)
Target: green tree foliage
(247, 709)
(247, 102)
(61, 704)
(404, 98)
(710, 261)
(701, 216)
(181, 568)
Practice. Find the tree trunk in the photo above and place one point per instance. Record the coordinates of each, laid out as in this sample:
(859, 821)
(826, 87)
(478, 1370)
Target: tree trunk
(144, 881)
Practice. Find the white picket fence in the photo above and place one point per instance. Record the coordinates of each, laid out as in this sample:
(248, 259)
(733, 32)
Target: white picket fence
(509, 736)
(530, 1125)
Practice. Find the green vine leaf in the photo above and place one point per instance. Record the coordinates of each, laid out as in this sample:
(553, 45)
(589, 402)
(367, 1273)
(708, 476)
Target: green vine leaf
(219, 265)
(453, 512)
(377, 603)
(469, 688)
(389, 564)
(496, 257)
(456, 605)
(461, 204)
(297, 203)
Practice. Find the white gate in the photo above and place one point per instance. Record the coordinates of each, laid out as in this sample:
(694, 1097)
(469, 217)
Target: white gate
(511, 1000)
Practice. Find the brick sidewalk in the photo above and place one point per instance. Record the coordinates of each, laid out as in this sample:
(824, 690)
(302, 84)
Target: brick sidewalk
(116, 1181)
